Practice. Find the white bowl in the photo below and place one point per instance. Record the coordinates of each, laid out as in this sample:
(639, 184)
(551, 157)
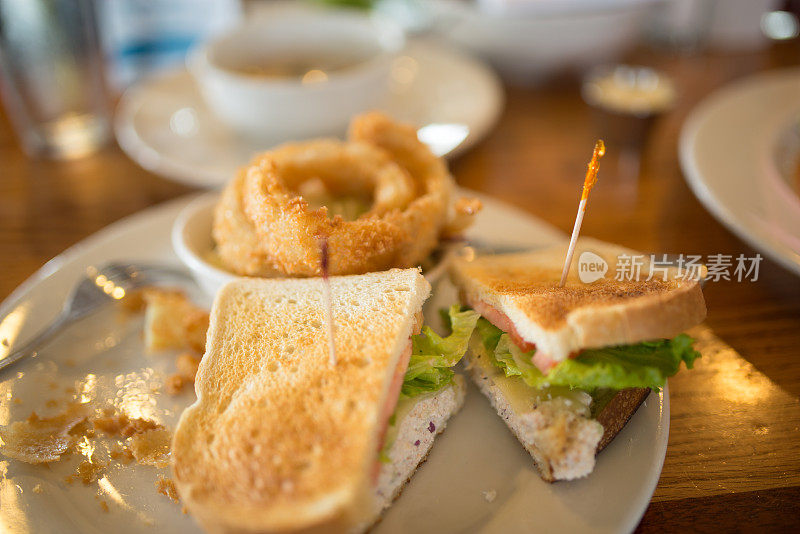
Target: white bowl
(194, 246)
(542, 38)
(275, 109)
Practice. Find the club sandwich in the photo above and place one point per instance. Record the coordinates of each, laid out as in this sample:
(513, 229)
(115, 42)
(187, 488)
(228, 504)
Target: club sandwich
(566, 367)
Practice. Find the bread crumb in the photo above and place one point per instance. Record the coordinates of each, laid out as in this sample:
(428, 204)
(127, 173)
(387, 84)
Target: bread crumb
(37, 440)
(166, 487)
(187, 364)
(51, 403)
(120, 453)
(86, 471)
(104, 505)
(149, 442)
(17, 400)
(172, 321)
(38, 488)
(490, 495)
(134, 300)
(152, 447)
(174, 383)
(120, 424)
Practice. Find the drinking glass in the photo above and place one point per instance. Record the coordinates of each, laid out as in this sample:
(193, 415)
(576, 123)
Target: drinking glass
(51, 76)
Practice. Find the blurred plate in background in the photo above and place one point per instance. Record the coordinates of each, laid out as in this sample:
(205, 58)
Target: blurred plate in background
(529, 41)
(740, 150)
(164, 125)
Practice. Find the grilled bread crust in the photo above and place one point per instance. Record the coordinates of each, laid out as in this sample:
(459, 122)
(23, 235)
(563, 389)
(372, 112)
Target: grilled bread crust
(564, 320)
(280, 440)
(616, 414)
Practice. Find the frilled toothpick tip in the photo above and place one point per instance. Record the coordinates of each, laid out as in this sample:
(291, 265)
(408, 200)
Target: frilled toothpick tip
(588, 183)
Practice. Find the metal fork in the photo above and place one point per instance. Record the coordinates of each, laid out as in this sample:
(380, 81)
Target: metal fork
(100, 287)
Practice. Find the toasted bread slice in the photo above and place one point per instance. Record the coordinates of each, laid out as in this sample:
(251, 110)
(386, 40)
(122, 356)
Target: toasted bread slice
(564, 320)
(280, 440)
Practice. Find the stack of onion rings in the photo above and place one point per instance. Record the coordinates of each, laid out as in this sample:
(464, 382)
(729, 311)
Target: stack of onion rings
(264, 227)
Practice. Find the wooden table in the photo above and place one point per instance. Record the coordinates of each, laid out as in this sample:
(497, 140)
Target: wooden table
(733, 461)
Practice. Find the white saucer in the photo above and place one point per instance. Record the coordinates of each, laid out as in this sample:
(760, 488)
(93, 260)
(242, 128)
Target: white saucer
(164, 125)
(733, 149)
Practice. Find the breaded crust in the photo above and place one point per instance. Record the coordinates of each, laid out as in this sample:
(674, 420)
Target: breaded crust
(279, 440)
(561, 321)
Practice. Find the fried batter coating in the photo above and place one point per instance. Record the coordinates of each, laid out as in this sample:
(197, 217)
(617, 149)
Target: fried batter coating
(264, 226)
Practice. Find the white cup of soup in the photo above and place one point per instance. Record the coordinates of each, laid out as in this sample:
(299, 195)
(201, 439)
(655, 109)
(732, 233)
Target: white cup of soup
(297, 73)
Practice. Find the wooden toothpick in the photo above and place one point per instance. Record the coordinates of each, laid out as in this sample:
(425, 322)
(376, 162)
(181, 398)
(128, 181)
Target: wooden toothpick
(328, 300)
(588, 183)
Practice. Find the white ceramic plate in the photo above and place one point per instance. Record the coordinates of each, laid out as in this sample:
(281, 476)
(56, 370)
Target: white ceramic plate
(164, 125)
(730, 150)
(476, 454)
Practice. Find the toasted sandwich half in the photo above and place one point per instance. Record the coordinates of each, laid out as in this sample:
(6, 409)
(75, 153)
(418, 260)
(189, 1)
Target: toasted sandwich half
(283, 439)
(566, 367)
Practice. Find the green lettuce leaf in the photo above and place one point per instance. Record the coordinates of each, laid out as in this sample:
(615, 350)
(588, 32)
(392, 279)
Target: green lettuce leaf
(646, 364)
(433, 356)
(488, 333)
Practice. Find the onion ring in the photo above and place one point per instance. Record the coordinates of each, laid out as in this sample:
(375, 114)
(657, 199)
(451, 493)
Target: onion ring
(264, 226)
(238, 245)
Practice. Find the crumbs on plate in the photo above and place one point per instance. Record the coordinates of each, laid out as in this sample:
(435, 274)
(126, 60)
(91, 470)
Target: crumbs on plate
(166, 487)
(152, 447)
(172, 321)
(114, 423)
(42, 439)
(187, 364)
(87, 472)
